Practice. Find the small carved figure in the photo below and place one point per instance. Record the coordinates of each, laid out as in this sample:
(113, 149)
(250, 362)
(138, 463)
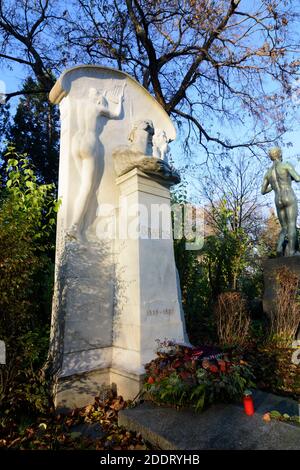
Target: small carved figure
(141, 137)
(160, 145)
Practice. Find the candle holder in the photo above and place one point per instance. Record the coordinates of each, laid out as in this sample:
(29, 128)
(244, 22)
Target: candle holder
(248, 403)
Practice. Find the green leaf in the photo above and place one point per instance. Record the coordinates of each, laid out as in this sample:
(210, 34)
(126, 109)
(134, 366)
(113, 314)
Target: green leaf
(275, 414)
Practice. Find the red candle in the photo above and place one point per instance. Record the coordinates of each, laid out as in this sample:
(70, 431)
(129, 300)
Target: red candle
(248, 403)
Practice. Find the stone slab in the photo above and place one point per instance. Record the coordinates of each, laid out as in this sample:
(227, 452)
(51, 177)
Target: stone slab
(222, 427)
(265, 402)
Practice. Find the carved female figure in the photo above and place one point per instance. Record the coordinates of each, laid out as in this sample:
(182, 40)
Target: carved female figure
(86, 149)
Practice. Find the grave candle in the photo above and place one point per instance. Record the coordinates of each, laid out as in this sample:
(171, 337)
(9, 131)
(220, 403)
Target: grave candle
(248, 403)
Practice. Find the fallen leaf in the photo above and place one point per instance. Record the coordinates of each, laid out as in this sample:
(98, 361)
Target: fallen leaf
(88, 408)
(275, 414)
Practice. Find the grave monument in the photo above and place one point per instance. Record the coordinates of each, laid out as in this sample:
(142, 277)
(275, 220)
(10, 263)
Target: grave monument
(116, 283)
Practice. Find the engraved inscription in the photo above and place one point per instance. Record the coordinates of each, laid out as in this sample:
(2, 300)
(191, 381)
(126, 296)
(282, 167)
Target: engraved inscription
(156, 311)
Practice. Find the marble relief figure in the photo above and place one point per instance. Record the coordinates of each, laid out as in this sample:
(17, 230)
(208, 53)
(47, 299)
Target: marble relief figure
(87, 148)
(141, 137)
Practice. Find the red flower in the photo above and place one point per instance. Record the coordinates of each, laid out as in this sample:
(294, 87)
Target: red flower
(213, 368)
(151, 380)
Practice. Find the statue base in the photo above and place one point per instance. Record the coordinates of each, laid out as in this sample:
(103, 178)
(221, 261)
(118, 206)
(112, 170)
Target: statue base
(78, 390)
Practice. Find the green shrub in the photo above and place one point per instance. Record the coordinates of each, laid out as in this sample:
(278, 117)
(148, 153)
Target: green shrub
(27, 230)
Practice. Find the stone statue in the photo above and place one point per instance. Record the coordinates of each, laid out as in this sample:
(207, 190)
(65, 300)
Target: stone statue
(139, 154)
(279, 179)
(141, 137)
(160, 145)
(86, 148)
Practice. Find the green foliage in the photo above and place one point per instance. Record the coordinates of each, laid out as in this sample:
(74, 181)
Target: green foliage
(220, 266)
(284, 417)
(226, 387)
(4, 123)
(27, 229)
(174, 390)
(225, 253)
(196, 293)
(30, 202)
(194, 282)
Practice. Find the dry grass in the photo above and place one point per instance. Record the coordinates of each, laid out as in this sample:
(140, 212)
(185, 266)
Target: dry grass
(285, 317)
(232, 319)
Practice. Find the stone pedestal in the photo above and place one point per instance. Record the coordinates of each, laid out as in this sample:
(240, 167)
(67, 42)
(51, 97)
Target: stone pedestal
(148, 307)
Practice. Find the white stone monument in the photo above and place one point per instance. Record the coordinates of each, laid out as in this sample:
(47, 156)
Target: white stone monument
(116, 284)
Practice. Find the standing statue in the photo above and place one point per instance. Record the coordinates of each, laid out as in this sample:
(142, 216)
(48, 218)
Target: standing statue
(279, 179)
(86, 148)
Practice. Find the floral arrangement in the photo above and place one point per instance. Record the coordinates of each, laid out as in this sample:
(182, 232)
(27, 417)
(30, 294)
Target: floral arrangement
(196, 377)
